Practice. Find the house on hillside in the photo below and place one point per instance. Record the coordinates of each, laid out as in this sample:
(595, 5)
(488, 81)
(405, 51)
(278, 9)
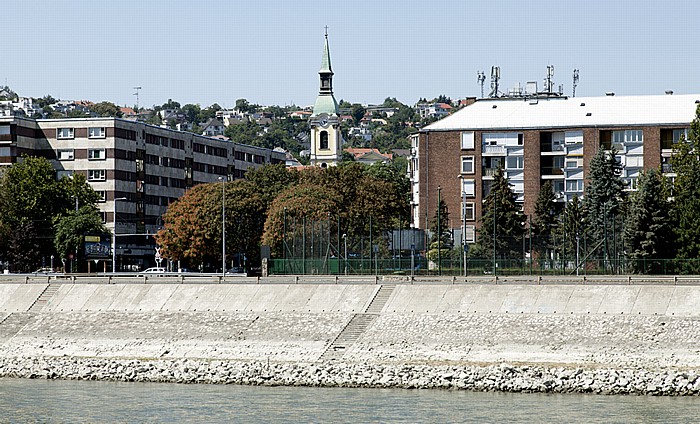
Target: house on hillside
(369, 156)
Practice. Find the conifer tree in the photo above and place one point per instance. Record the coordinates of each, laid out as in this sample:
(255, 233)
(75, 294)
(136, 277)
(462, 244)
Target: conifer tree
(500, 205)
(648, 228)
(570, 232)
(603, 199)
(441, 233)
(544, 220)
(686, 192)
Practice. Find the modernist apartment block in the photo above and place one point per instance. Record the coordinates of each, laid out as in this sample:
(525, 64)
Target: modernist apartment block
(534, 140)
(143, 167)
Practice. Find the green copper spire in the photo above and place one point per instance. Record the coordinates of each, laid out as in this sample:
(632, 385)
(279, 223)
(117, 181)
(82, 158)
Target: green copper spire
(326, 60)
(325, 102)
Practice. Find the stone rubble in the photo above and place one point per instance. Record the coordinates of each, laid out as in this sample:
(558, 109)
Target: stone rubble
(499, 377)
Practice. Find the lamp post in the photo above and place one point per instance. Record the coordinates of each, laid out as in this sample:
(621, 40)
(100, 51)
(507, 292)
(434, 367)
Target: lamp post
(223, 225)
(114, 236)
(439, 234)
(345, 239)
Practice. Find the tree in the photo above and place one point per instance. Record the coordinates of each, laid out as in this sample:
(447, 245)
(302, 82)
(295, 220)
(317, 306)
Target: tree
(106, 109)
(192, 224)
(685, 163)
(358, 112)
(242, 105)
(192, 113)
(544, 220)
(648, 232)
(604, 197)
(170, 104)
(70, 229)
(244, 133)
(441, 237)
(501, 220)
(570, 229)
(31, 199)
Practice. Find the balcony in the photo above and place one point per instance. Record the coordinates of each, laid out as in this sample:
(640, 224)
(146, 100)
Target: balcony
(494, 151)
(488, 172)
(551, 170)
(666, 168)
(549, 148)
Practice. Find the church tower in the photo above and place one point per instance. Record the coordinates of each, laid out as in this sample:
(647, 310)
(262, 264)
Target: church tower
(326, 138)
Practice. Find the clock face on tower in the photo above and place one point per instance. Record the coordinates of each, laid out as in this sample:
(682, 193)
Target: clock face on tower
(323, 120)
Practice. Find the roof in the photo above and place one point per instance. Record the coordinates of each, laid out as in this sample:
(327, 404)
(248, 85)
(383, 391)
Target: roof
(326, 59)
(578, 112)
(325, 104)
(365, 153)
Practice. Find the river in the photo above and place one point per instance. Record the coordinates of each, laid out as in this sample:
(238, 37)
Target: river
(95, 401)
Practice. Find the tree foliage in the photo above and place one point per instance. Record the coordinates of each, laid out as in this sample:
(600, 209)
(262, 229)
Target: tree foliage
(106, 109)
(648, 227)
(70, 229)
(686, 192)
(501, 220)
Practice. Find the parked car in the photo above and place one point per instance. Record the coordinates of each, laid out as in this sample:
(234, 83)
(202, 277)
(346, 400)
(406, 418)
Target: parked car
(153, 271)
(237, 271)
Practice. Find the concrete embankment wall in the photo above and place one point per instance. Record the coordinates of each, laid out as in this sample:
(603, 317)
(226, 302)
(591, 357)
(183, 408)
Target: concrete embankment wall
(322, 298)
(601, 325)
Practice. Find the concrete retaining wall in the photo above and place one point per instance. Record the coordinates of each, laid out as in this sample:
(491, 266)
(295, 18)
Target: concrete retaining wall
(406, 299)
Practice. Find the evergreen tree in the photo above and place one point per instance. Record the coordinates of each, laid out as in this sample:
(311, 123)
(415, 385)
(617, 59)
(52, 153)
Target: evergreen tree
(686, 191)
(500, 206)
(648, 230)
(543, 221)
(570, 232)
(603, 199)
(441, 232)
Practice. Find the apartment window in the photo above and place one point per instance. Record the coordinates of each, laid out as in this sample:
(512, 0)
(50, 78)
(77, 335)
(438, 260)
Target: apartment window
(468, 211)
(96, 132)
(96, 175)
(514, 162)
(468, 187)
(65, 154)
(65, 133)
(677, 134)
(467, 164)
(101, 195)
(468, 140)
(470, 234)
(96, 154)
(574, 185)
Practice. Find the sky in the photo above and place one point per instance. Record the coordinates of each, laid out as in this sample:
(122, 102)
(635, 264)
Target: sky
(269, 52)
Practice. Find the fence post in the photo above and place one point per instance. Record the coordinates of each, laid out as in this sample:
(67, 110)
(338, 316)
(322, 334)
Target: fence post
(629, 279)
(495, 279)
(336, 279)
(296, 279)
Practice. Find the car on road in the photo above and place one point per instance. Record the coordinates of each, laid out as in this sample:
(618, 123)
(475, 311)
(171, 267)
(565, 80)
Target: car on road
(153, 271)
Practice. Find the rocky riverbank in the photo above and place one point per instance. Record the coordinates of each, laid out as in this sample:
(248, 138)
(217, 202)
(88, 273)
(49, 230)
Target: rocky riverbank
(501, 377)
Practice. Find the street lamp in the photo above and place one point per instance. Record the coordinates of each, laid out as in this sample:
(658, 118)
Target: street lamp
(223, 225)
(345, 238)
(114, 236)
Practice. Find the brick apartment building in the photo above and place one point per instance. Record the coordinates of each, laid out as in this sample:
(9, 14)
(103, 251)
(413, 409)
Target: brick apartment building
(147, 166)
(537, 139)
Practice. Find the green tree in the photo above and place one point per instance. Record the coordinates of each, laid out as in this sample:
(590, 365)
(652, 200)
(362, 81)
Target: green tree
(501, 208)
(106, 109)
(70, 228)
(192, 113)
(544, 220)
(242, 105)
(358, 112)
(648, 230)
(569, 232)
(244, 133)
(31, 199)
(604, 198)
(685, 163)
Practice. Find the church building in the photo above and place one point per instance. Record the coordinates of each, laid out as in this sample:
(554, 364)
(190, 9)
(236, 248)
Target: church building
(326, 138)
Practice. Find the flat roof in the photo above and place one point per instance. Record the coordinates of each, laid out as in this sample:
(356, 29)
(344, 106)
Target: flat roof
(571, 112)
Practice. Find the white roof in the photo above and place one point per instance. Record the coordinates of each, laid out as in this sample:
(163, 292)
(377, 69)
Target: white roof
(508, 114)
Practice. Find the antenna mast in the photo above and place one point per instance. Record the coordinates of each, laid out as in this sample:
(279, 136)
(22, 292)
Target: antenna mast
(575, 82)
(549, 81)
(495, 76)
(480, 78)
(137, 96)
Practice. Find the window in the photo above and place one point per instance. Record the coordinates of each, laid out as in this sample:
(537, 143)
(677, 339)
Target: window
(468, 140)
(514, 162)
(96, 154)
(64, 133)
(468, 211)
(96, 175)
(467, 164)
(678, 133)
(470, 234)
(570, 164)
(574, 185)
(101, 195)
(65, 154)
(323, 144)
(573, 137)
(468, 187)
(96, 132)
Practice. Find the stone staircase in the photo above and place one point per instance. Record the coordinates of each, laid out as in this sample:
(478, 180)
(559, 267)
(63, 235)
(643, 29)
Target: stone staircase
(357, 325)
(44, 298)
